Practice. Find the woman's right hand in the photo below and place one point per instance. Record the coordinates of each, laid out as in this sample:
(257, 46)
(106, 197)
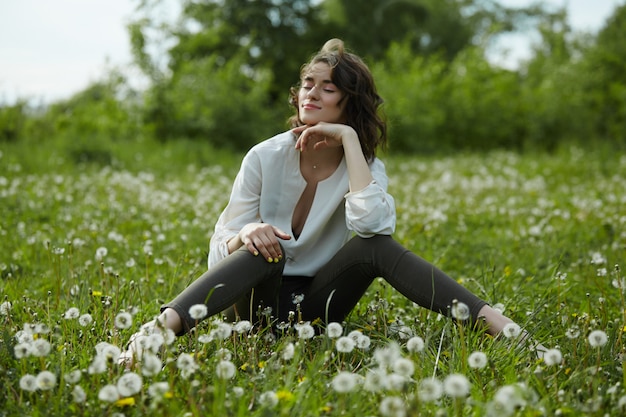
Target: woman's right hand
(262, 239)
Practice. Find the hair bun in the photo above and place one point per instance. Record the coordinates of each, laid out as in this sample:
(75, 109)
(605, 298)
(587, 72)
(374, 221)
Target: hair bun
(333, 45)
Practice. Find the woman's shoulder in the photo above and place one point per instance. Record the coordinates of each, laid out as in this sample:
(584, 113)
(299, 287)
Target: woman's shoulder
(281, 142)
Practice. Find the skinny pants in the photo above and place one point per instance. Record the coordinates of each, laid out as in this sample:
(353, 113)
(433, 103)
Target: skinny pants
(242, 284)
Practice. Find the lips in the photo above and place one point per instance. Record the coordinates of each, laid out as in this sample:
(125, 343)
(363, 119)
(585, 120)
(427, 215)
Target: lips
(309, 106)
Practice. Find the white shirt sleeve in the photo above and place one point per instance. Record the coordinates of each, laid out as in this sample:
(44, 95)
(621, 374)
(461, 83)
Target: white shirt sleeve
(372, 210)
(242, 208)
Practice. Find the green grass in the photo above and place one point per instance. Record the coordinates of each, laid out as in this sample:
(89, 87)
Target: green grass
(544, 235)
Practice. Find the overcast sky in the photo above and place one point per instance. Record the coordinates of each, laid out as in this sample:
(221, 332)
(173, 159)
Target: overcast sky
(50, 49)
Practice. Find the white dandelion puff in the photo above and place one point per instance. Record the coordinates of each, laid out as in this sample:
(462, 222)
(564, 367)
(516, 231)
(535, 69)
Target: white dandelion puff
(22, 350)
(404, 367)
(415, 344)
(107, 350)
(5, 308)
(375, 380)
(28, 383)
(187, 364)
(101, 252)
(85, 320)
(552, 357)
(430, 389)
(129, 384)
(305, 331)
(222, 331)
(225, 370)
(98, 365)
(511, 330)
(243, 326)
(345, 344)
(40, 348)
(456, 386)
(392, 407)
(363, 342)
(288, 351)
(73, 377)
(344, 382)
(334, 330)
(268, 399)
(108, 394)
(46, 380)
(71, 313)
(198, 311)
(597, 338)
(477, 360)
(123, 320)
(151, 365)
(460, 310)
(79, 395)
(386, 356)
(158, 389)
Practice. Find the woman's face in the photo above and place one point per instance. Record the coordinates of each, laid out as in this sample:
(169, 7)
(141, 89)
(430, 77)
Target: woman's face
(319, 100)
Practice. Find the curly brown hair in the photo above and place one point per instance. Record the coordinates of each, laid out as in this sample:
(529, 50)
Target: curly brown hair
(352, 76)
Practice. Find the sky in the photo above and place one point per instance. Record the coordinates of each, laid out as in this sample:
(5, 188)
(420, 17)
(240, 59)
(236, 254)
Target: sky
(50, 50)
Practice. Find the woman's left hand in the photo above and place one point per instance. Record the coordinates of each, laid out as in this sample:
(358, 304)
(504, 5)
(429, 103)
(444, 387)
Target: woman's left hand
(322, 135)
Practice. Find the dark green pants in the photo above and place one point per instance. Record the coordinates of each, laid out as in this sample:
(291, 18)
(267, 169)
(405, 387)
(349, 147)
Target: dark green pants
(242, 284)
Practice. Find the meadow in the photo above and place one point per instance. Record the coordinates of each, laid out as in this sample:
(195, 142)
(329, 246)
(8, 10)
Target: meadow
(89, 250)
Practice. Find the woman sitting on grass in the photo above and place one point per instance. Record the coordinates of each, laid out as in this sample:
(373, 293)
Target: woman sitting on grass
(309, 216)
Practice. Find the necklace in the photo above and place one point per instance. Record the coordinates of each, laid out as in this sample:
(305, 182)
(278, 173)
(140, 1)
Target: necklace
(314, 166)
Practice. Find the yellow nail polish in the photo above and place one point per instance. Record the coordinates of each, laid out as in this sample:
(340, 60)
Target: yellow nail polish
(269, 259)
(256, 253)
(276, 260)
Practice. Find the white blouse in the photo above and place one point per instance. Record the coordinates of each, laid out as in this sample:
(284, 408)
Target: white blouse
(267, 189)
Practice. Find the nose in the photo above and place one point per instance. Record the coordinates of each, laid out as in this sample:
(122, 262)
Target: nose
(313, 92)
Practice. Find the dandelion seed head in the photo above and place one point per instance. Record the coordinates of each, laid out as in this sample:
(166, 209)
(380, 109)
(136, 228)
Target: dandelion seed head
(288, 351)
(268, 399)
(85, 320)
(123, 320)
(396, 382)
(460, 310)
(108, 394)
(98, 365)
(198, 311)
(404, 367)
(243, 326)
(415, 344)
(511, 330)
(477, 360)
(158, 389)
(345, 344)
(456, 385)
(129, 384)
(597, 338)
(5, 308)
(22, 350)
(46, 380)
(552, 357)
(73, 377)
(363, 342)
(71, 313)
(375, 380)
(101, 252)
(334, 330)
(305, 331)
(392, 407)
(430, 389)
(28, 383)
(78, 394)
(222, 331)
(386, 356)
(40, 348)
(597, 259)
(573, 332)
(107, 350)
(344, 382)
(151, 365)
(225, 369)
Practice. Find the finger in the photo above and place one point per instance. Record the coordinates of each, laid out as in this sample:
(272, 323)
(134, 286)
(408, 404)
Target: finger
(280, 234)
(251, 248)
(267, 249)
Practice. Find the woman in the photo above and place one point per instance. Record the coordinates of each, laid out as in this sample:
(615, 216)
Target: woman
(310, 216)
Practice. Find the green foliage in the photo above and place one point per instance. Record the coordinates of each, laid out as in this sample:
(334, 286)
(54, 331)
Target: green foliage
(226, 105)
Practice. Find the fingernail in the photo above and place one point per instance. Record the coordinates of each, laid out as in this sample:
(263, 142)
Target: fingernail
(256, 253)
(270, 259)
(276, 260)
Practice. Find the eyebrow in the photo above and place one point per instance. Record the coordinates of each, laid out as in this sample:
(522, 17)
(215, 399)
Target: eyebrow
(309, 78)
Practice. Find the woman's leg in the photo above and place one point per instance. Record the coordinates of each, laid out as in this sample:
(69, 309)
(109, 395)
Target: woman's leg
(239, 279)
(340, 284)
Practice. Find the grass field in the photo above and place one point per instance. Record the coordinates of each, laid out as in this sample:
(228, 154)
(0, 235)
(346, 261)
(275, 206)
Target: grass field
(89, 251)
